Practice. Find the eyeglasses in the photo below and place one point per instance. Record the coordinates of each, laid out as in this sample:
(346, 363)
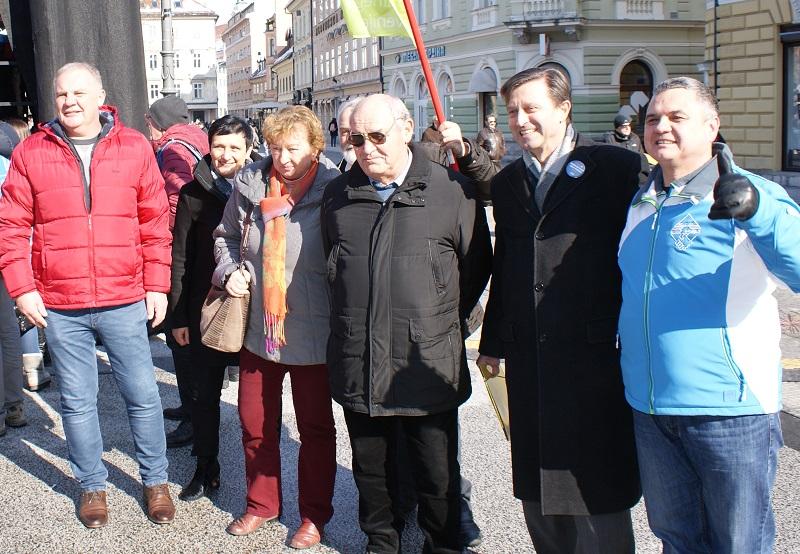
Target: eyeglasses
(376, 137)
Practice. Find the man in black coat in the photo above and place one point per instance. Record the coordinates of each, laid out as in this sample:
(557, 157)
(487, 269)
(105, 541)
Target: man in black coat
(552, 314)
(408, 257)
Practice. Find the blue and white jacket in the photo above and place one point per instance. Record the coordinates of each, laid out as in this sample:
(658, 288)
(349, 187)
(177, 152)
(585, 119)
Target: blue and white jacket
(699, 326)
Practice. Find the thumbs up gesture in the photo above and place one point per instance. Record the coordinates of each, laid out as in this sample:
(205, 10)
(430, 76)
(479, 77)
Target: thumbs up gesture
(734, 195)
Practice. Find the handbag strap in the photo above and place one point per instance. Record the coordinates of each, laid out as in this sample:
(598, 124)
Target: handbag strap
(248, 220)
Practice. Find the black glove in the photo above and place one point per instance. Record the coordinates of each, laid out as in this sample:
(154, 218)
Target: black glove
(734, 195)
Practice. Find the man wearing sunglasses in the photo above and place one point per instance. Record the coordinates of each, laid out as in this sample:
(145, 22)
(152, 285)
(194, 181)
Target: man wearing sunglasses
(408, 257)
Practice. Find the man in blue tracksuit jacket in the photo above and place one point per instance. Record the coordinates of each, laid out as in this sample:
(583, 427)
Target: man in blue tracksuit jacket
(703, 246)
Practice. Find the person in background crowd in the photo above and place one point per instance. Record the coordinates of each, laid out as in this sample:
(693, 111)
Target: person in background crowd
(701, 252)
(179, 146)
(343, 118)
(11, 408)
(199, 212)
(90, 189)
(333, 129)
(287, 330)
(396, 351)
(552, 314)
(431, 133)
(623, 136)
(35, 376)
(490, 138)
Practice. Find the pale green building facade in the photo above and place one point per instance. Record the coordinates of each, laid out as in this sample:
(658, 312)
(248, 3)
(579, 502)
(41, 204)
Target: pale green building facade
(614, 52)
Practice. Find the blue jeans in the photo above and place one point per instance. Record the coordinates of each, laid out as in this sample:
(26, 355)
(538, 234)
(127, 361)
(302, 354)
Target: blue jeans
(707, 480)
(71, 339)
(10, 355)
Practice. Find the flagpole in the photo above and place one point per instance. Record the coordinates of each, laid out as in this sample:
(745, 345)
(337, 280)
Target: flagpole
(426, 68)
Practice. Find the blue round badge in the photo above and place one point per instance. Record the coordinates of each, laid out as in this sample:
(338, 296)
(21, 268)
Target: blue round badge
(575, 168)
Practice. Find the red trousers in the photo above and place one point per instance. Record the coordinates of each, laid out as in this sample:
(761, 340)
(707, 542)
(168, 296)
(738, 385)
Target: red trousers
(260, 389)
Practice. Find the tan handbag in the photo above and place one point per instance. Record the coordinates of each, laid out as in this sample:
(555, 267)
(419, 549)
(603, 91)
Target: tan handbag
(223, 318)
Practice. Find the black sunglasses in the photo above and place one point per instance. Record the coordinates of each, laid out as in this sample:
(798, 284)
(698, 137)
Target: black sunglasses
(375, 137)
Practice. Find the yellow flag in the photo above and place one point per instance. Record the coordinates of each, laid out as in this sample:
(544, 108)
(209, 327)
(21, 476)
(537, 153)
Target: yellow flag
(376, 18)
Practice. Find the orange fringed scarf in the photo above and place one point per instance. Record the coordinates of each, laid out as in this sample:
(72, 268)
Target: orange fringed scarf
(278, 202)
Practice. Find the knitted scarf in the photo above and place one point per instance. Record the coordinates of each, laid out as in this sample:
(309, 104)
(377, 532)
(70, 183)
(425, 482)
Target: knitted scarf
(278, 202)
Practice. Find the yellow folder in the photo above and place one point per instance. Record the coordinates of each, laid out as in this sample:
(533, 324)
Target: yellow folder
(498, 394)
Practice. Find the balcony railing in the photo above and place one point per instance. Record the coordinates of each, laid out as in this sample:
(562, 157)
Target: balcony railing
(546, 9)
(640, 9)
(483, 18)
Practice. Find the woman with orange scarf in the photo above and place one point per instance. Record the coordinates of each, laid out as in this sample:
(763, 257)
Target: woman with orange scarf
(287, 331)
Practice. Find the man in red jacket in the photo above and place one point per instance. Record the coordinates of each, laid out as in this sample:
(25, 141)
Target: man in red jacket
(99, 265)
(178, 145)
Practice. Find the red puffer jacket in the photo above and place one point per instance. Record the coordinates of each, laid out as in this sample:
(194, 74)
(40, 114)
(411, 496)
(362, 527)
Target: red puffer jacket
(107, 256)
(177, 162)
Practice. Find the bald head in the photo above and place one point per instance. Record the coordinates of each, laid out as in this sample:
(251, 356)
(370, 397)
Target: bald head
(385, 102)
(380, 130)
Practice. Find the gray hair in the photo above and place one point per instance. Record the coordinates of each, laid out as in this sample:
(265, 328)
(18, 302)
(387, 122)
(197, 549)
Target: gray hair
(703, 93)
(347, 104)
(89, 68)
(398, 107)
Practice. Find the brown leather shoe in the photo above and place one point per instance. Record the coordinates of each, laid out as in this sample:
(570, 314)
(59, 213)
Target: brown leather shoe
(158, 504)
(247, 523)
(93, 509)
(307, 536)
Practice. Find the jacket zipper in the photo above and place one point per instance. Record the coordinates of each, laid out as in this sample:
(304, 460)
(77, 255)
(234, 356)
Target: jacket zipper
(88, 188)
(733, 366)
(438, 280)
(647, 287)
(374, 237)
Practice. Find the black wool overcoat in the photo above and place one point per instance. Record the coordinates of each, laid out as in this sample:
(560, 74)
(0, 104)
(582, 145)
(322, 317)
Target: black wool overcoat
(552, 314)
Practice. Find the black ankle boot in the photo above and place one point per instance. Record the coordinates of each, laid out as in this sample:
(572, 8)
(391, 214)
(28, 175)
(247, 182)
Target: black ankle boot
(204, 481)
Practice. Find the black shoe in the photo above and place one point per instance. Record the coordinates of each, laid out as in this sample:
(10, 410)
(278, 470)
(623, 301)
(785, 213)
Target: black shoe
(204, 481)
(176, 414)
(181, 436)
(470, 533)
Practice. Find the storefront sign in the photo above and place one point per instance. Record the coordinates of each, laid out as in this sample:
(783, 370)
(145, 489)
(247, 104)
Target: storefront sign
(413, 56)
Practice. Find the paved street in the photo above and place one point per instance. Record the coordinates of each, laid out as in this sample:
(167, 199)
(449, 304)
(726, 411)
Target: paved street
(37, 489)
(38, 492)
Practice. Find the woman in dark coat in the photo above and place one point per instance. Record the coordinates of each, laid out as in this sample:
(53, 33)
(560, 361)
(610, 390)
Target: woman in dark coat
(199, 211)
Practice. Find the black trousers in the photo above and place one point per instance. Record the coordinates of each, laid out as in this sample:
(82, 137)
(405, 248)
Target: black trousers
(208, 367)
(594, 534)
(432, 443)
(184, 374)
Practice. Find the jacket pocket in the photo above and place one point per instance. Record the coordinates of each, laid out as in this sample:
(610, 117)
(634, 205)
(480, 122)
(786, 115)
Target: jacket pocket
(436, 268)
(599, 331)
(333, 259)
(345, 342)
(436, 347)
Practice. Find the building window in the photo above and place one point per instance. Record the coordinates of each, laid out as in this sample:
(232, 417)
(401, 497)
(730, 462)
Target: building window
(177, 60)
(441, 9)
(791, 101)
(197, 90)
(635, 77)
(419, 10)
(480, 4)
(154, 4)
(153, 61)
(177, 4)
(153, 92)
(196, 60)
